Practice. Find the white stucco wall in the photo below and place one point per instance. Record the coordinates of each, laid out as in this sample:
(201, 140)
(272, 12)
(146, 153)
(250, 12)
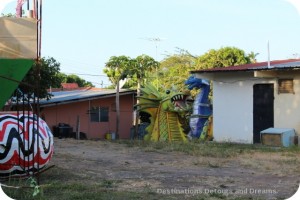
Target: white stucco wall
(287, 107)
(233, 105)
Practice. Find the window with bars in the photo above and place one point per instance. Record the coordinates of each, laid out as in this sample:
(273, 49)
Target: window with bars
(285, 86)
(99, 114)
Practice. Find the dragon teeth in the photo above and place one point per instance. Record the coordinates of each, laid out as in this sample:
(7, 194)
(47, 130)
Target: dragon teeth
(177, 97)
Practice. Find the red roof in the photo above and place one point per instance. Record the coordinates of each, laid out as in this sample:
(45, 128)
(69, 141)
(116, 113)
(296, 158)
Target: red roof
(75, 89)
(275, 64)
(69, 86)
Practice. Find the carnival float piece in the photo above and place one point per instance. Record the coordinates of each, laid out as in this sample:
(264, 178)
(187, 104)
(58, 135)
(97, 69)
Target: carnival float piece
(200, 126)
(26, 143)
(168, 114)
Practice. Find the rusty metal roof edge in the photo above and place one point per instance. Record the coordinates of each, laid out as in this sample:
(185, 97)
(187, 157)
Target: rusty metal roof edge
(259, 68)
(72, 99)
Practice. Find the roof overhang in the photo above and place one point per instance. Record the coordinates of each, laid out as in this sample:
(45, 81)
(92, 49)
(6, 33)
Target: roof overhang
(259, 70)
(291, 64)
(60, 101)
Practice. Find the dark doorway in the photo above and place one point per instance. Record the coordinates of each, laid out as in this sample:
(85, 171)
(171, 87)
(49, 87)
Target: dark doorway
(263, 109)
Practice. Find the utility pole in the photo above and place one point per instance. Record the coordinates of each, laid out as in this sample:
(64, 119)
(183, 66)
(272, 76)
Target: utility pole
(118, 107)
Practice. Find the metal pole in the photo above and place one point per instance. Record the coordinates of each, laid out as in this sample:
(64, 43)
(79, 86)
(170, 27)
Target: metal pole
(269, 65)
(118, 107)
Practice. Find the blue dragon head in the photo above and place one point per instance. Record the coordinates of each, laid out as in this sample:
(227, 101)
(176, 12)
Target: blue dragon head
(194, 82)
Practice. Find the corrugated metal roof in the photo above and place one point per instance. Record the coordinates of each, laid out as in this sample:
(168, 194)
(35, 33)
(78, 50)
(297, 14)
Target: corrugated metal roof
(63, 97)
(276, 64)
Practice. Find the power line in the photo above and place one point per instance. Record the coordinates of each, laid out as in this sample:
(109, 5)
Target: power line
(67, 60)
(86, 74)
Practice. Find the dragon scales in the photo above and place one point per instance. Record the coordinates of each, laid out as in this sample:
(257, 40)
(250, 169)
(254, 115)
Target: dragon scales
(168, 114)
(201, 109)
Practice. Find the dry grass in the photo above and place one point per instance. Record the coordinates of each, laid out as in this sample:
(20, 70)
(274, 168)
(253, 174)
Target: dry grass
(137, 169)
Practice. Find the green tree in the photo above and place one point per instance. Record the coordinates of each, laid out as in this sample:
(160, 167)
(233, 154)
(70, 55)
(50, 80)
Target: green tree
(72, 78)
(142, 67)
(223, 57)
(252, 56)
(62, 77)
(136, 70)
(41, 77)
(117, 68)
(175, 69)
(44, 74)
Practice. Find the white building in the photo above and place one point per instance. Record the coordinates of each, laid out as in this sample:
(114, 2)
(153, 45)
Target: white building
(250, 98)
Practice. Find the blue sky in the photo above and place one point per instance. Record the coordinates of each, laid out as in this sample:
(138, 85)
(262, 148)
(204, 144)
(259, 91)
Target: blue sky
(83, 35)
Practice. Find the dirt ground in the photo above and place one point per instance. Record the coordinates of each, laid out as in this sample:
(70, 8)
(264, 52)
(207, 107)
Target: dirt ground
(258, 175)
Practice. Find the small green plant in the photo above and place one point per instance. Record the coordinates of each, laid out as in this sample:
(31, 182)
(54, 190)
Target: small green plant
(107, 183)
(217, 195)
(33, 183)
(18, 188)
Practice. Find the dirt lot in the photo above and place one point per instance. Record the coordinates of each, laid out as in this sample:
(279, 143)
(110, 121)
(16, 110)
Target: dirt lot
(169, 172)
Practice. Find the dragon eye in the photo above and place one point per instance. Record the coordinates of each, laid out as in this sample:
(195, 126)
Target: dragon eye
(168, 91)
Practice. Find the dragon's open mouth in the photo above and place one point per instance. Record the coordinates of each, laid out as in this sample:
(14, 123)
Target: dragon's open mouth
(179, 101)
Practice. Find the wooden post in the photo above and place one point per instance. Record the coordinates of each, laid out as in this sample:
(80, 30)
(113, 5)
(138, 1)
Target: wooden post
(137, 119)
(78, 128)
(118, 107)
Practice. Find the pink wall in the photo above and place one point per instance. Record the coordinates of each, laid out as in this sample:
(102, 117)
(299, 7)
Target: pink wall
(67, 113)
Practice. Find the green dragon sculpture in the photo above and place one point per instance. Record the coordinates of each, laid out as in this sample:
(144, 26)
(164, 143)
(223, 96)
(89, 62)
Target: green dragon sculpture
(168, 114)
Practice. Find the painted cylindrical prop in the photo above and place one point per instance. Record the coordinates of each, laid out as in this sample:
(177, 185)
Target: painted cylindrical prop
(26, 144)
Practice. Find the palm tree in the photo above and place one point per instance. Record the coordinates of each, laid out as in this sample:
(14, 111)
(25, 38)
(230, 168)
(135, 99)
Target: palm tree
(139, 67)
(252, 56)
(120, 67)
(117, 69)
